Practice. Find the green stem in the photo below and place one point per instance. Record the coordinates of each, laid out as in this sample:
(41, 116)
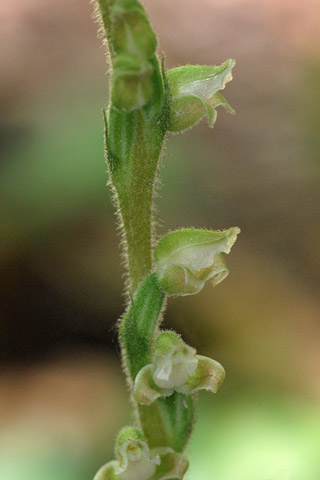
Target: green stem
(133, 142)
(168, 421)
(134, 187)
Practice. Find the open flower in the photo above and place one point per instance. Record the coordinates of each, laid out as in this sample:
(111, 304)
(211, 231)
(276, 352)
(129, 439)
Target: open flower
(176, 367)
(187, 258)
(195, 93)
(135, 461)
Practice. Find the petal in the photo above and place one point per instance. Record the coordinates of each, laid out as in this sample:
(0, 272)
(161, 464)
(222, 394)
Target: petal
(208, 376)
(143, 392)
(107, 472)
(219, 271)
(173, 465)
(201, 80)
(181, 246)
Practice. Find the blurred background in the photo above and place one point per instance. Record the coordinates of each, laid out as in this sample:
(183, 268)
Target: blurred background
(63, 396)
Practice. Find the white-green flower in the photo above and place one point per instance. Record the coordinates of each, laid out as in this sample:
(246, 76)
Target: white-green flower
(176, 367)
(135, 461)
(187, 258)
(195, 93)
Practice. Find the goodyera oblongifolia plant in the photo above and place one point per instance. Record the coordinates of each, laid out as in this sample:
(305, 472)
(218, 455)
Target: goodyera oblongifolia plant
(164, 373)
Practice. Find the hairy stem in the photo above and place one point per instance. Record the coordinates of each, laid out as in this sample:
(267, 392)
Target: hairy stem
(134, 141)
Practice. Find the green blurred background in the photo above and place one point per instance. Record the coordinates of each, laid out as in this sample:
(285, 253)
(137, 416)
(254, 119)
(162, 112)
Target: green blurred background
(63, 396)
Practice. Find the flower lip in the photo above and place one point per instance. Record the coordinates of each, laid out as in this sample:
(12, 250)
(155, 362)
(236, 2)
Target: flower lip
(135, 461)
(175, 367)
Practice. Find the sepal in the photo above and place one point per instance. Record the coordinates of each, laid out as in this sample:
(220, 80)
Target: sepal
(187, 258)
(145, 391)
(194, 93)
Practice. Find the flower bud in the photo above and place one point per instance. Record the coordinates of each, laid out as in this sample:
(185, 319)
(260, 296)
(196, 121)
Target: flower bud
(194, 93)
(132, 46)
(131, 85)
(131, 31)
(187, 258)
(127, 28)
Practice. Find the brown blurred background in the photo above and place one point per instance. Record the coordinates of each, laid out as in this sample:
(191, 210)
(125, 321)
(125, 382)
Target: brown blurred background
(63, 396)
